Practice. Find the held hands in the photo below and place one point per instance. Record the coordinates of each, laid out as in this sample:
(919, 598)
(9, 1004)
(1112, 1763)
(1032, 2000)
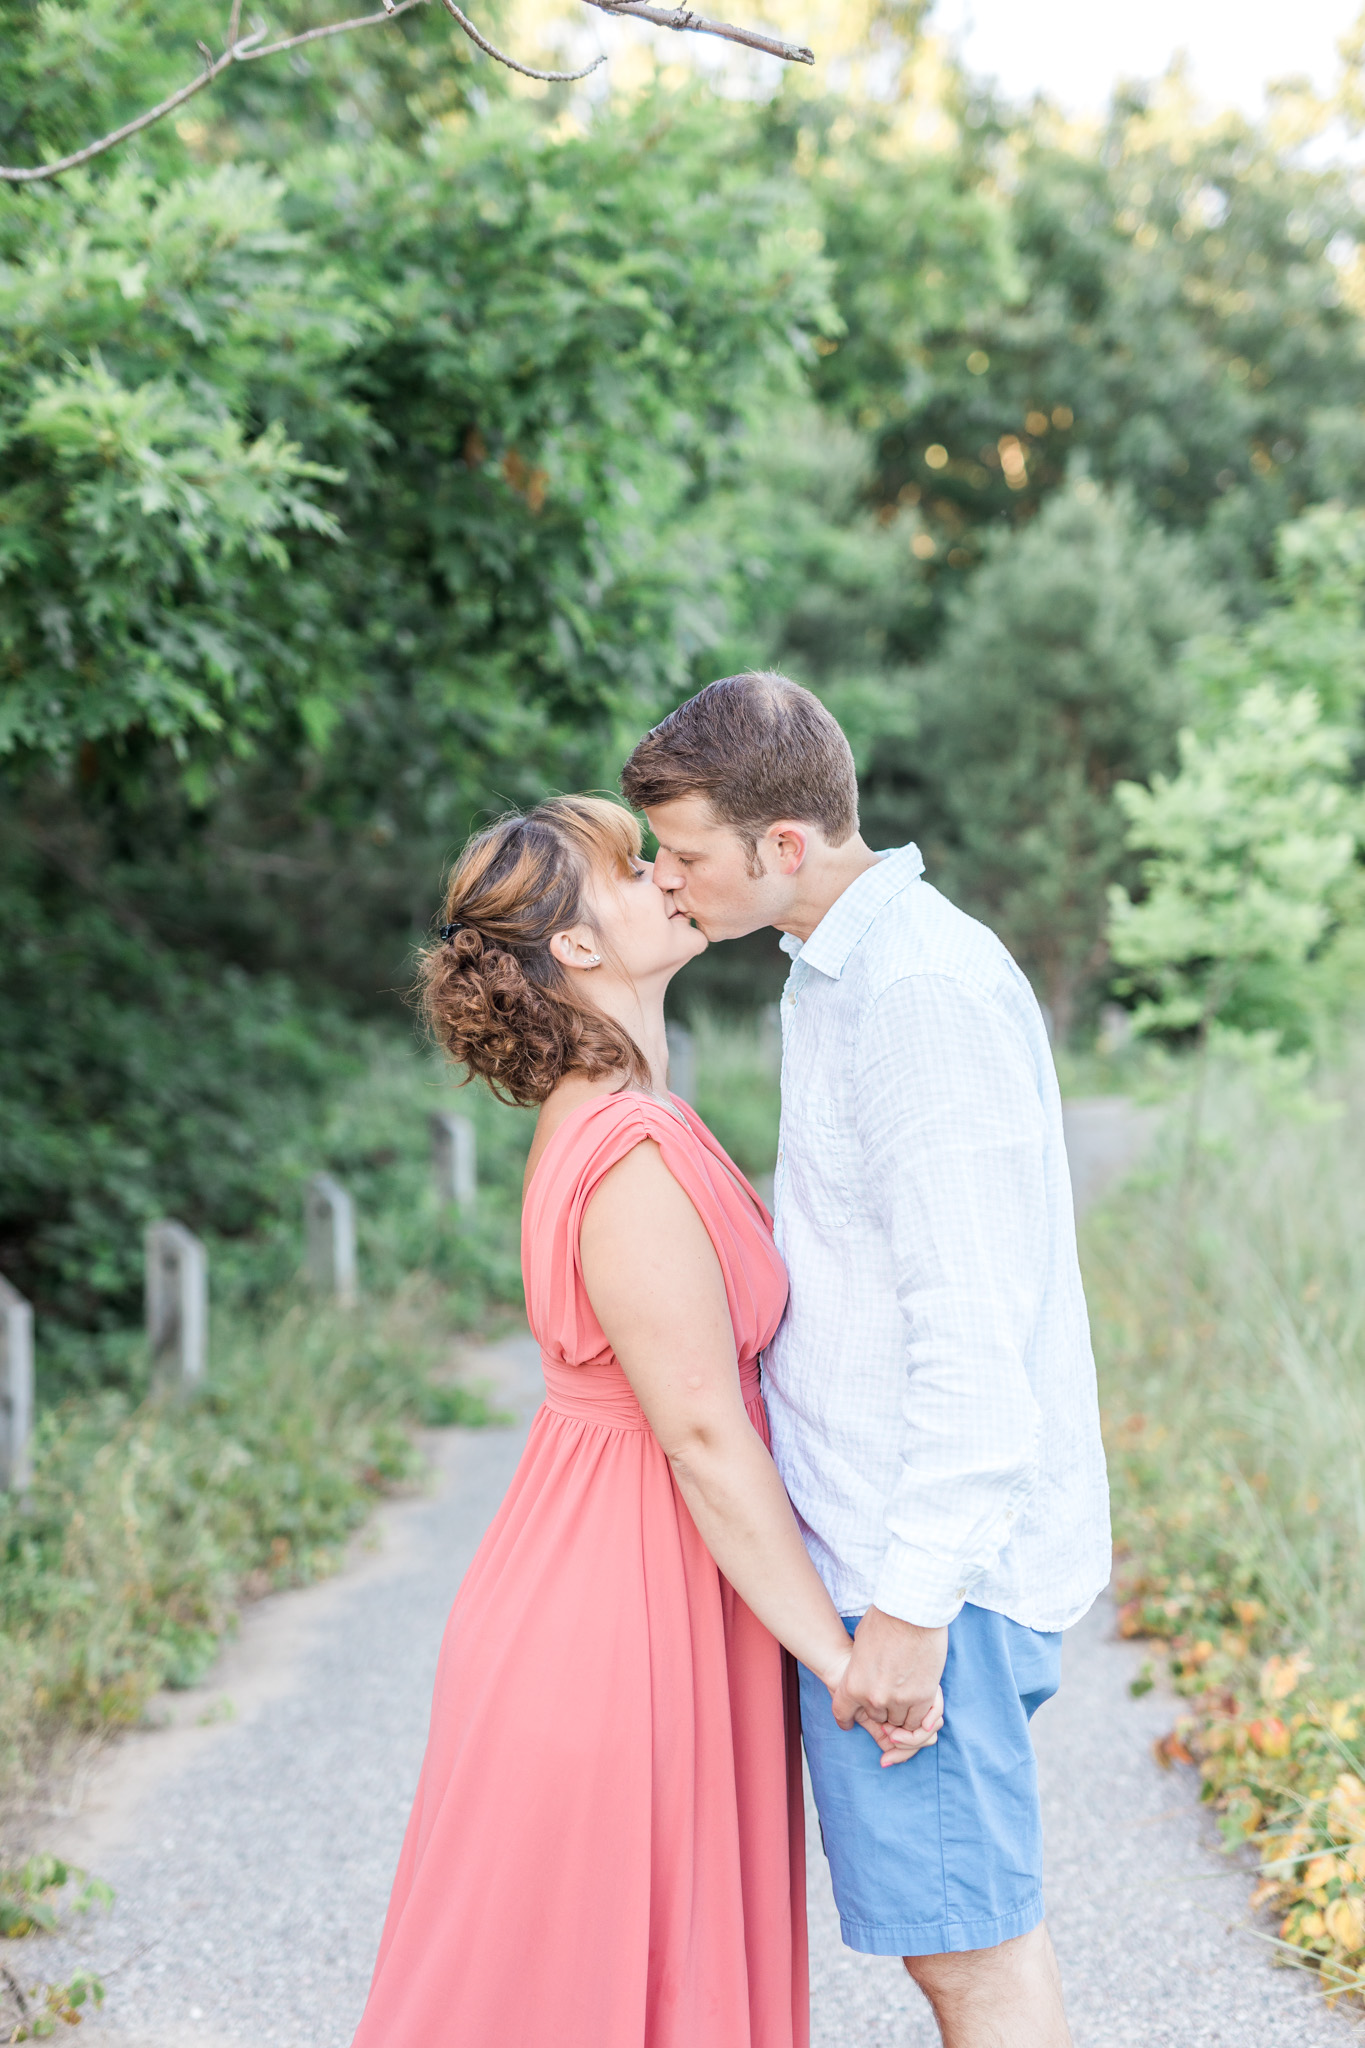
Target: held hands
(899, 1744)
(890, 1684)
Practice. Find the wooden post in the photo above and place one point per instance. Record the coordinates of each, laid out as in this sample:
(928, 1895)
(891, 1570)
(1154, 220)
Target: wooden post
(454, 1160)
(16, 1389)
(682, 1063)
(329, 1220)
(177, 1298)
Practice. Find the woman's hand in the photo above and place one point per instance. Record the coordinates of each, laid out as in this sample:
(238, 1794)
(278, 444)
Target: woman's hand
(902, 1743)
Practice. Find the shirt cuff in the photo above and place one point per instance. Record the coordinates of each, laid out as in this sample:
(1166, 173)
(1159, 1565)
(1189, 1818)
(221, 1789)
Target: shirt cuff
(917, 1586)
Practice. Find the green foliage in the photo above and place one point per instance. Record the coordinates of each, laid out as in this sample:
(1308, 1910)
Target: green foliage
(739, 1085)
(333, 504)
(31, 1897)
(56, 2004)
(71, 73)
(1163, 307)
(142, 1082)
(1057, 678)
(153, 342)
(573, 333)
(1247, 849)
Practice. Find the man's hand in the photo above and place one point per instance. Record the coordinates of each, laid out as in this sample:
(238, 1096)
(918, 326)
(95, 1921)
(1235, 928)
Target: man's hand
(893, 1674)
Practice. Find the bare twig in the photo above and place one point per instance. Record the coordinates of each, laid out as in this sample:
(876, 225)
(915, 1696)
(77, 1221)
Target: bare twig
(526, 70)
(12, 175)
(683, 19)
(336, 28)
(15, 1993)
(247, 49)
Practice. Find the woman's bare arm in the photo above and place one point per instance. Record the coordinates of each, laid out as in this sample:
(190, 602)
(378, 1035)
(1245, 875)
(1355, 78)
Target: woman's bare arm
(656, 1287)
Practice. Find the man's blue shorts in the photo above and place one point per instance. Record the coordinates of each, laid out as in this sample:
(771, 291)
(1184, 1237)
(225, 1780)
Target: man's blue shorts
(944, 1852)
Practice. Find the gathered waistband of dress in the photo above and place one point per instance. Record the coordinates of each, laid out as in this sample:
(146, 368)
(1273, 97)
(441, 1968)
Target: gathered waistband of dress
(601, 1393)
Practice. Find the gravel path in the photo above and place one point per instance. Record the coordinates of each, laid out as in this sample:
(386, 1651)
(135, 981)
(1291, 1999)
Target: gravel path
(252, 1842)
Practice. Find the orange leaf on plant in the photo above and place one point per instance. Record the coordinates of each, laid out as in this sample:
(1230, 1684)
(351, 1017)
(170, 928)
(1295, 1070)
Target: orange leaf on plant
(1346, 1807)
(1281, 1676)
(1346, 1922)
(1270, 1736)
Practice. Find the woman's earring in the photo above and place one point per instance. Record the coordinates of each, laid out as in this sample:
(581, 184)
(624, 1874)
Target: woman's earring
(594, 959)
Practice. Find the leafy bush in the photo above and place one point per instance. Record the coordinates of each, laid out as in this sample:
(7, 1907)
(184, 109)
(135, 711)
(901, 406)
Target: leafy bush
(143, 1083)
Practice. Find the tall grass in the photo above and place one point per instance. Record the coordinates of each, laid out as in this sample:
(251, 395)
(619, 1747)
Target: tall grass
(1229, 1322)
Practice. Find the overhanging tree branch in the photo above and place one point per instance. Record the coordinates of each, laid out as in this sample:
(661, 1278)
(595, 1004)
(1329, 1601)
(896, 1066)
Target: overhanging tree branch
(526, 70)
(683, 19)
(247, 49)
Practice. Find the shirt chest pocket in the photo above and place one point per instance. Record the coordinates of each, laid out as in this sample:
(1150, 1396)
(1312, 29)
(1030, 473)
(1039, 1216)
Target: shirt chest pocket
(817, 1148)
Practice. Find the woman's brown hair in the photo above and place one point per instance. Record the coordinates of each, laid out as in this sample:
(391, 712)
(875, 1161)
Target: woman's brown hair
(492, 991)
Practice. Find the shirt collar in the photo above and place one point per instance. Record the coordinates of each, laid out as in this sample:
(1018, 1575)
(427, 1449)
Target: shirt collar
(848, 917)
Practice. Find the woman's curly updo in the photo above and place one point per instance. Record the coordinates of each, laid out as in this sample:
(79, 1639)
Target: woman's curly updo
(492, 991)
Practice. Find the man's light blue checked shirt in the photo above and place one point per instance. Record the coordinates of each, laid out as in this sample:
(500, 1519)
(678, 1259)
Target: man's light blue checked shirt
(931, 1389)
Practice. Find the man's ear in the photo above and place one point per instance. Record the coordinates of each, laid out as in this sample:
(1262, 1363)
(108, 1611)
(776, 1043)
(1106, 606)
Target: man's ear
(785, 844)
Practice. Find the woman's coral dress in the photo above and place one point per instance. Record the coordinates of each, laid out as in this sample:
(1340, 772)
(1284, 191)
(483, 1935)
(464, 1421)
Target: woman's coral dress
(606, 1847)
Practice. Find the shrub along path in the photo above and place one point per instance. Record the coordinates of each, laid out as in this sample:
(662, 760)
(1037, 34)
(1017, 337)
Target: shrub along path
(252, 1856)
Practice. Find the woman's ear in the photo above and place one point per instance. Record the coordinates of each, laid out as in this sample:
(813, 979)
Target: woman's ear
(575, 948)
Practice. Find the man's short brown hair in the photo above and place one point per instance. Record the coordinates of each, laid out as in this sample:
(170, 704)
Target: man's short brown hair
(759, 748)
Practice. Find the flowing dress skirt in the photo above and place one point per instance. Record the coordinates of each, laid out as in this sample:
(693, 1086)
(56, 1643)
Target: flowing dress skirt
(606, 1848)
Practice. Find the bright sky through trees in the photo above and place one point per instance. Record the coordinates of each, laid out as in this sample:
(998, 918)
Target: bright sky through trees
(1075, 51)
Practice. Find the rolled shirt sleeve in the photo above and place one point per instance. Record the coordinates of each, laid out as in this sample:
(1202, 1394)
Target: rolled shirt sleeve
(953, 1135)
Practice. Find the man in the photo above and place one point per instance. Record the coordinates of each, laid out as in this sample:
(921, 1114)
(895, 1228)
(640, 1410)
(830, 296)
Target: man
(931, 1390)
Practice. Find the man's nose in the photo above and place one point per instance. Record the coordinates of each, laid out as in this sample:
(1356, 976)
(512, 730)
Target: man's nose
(666, 875)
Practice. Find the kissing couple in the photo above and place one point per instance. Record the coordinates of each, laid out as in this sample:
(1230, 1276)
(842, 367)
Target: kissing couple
(836, 1478)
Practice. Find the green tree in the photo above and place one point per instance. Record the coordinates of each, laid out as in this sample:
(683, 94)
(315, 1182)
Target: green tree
(1057, 679)
(337, 506)
(1164, 307)
(1245, 854)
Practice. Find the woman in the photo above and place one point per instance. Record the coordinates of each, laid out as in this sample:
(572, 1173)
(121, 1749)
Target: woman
(606, 1845)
